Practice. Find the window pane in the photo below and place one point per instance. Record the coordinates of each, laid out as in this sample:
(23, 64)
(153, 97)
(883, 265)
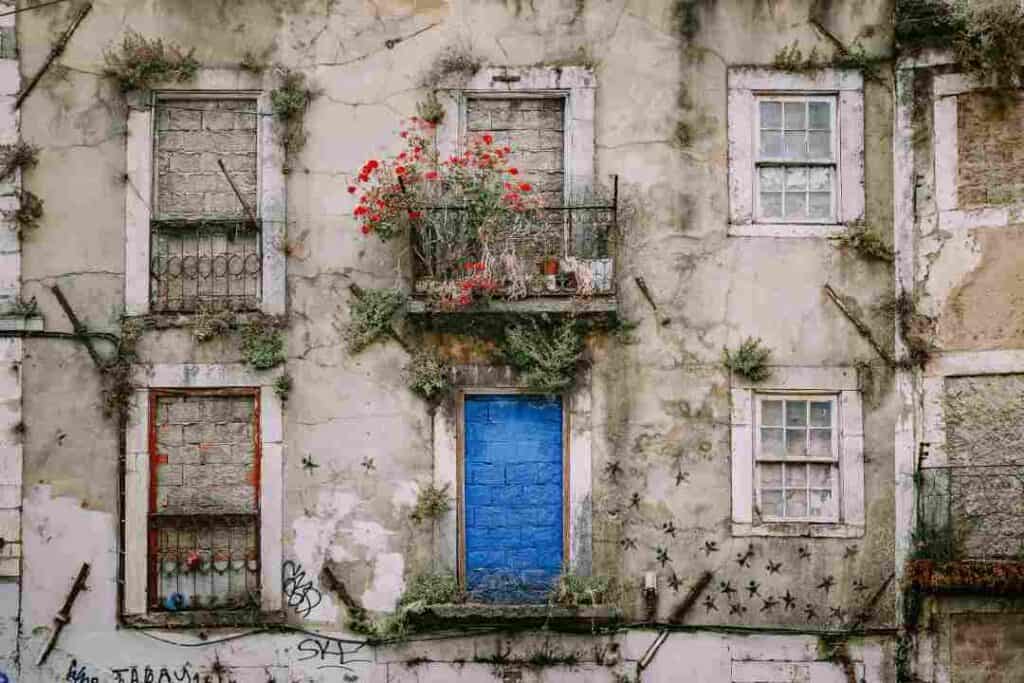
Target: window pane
(820, 114)
(771, 115)
(820, 179)
(771, 144)
(821, 475)
(771, 503)
(820, 443)
(819, 205)
(771, 413)
(796, 113)
(796, 146)
(821, 413)
(821, 503)
(819, 145)
(771, 179)
(796, 413)
(771, 443)
(796, 443)
(796, 178)
(771, 475)
(771, 204)
(796, 503)
(796, 205)
(796, 476)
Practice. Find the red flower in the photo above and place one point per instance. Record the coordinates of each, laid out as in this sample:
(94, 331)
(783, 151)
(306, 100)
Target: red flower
(372, 163)
(430, 175)
(360, 210)
(375, 218)
(402, 155)
(415, 214)
(506, 149)
(351, 189)
(525, 187)
(366, 228)
(399, 170)
(403, 134)
(513, 171)
(488, 139)
(363, 177)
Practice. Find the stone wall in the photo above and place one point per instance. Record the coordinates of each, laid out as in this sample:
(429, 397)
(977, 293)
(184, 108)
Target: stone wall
(990, 147)
(988, 647)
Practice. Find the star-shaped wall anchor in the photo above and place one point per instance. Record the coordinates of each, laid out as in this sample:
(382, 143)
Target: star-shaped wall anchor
(634, 501)
(769, 604)
(613, 470)
(682, 477)
(810, 612)
(859, 586)
(669, 528)
(627, 544)
(788, 601)
(849, 551)
(709, 604)
(368, 464)
(662, 555)
(803, 553)
(743, 559)
(737, 608)
(710, 547)
(752, 588)
(826, 584)
(674, 582)
(309, 464)
(835, 613)
(726, 587)
(773, 567)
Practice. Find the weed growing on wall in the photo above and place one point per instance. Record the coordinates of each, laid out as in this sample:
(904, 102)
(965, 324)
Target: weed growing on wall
(371, 317)
(428, 376)
(19, 156)
(864, 241)
(574, 590)
(454, 63)
(283, 386)
(422, 591)
(117, 372)
(792, 58)
(548, 356)
(432, 589)
(750, 360)
(916, 330)
(430, 109)
(262, 344)
(28, 214)
(289, 101)
(432, 503)
(140, 63)
(211, 322)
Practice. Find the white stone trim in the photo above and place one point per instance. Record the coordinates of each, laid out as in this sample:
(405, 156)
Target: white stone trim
(745, 85)
(952, 364)
(139, 197)
(946, 154)
(576, 84)
(137, 480)
(839, 381)
(773, 671)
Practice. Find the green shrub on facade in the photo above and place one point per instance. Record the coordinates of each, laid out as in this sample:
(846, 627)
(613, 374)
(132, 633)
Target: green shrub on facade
(750, 360)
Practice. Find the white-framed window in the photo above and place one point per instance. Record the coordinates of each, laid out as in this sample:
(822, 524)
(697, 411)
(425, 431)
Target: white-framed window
(796, 457)
(796, 152)
(798, 454)
(203, 496)
(190, 240)
(796, 159)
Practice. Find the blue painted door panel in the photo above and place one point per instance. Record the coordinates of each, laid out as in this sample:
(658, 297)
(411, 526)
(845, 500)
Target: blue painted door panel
(513, 496)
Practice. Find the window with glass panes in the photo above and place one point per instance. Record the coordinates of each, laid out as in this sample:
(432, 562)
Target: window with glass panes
(796, 159)
(797, 458)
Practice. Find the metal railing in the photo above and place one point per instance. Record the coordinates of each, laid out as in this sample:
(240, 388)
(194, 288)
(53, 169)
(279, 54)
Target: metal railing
(204, 562)
(205, 263)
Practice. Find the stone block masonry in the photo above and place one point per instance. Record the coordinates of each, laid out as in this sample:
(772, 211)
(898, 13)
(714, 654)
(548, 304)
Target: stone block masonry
(990, 150)
(191, 135)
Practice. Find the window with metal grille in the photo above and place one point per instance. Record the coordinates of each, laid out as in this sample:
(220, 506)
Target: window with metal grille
(204, 519)
(797, 457)
(205, 243)
(796, 161)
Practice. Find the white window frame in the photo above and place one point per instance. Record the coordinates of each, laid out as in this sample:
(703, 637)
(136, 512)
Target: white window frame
(798, 381)
(577, 85)
(747, 86)
(137, 476)
(780, 162)
(141, 175)
(834, 460)
(947, 89)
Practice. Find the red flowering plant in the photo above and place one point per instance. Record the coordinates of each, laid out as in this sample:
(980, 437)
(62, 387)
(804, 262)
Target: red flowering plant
(462, 210)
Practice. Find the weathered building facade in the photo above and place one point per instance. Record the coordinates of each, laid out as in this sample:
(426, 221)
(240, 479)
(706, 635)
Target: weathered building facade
(216, 400)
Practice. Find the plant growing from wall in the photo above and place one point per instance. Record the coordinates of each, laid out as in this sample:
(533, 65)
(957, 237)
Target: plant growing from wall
(575, 590)
(455, 62)
(432, 503)
(290, 100)
(429, 376)
(211, 322)
(262, 344)
(28, 214)
(371, 316)
(422, 591)
(430, 109)
(117, 372)
(865, 241)
(140, 63)
(916, 330)
(17, 157)
(283, 386)
(547, 355)
(750, 360)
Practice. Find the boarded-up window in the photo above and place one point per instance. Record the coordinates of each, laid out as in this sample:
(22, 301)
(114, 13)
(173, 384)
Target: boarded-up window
(534, 128)
(990, 150)
(205, 250)
(204, 502)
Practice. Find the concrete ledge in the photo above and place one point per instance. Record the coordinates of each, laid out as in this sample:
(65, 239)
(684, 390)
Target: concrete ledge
(21, 323)
(226, 619)
(971, 576)
(533, 304)
(514, 617)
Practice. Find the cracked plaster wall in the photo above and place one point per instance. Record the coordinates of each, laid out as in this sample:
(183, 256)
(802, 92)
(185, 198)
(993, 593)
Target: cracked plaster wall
(660, 405)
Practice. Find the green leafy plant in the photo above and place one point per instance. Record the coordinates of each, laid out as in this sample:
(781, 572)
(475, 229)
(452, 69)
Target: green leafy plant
(750, 360)
(574, 590)
(422, 591)
(791, 58)
(862, 239)
(289, 101)
(211, 322)
(429, 376)
(432, 503)
(432, 589)
(118, 387)
(456, 61)
(19, 156)
(283, 386)
(548, 356)
(141, 63)
(28, 214)
(371, 316)
(262, 344)
(430, 109)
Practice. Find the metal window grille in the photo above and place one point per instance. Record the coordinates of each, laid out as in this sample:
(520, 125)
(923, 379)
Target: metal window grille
(205, 263)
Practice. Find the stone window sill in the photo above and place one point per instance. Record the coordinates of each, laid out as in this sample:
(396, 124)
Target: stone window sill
(212, 619)
(21, 323)
(446, 617)
(820, 230)
(799, 529)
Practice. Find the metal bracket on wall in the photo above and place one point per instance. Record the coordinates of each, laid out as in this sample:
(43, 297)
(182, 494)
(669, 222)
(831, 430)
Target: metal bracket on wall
(63, 617)
(56, 51)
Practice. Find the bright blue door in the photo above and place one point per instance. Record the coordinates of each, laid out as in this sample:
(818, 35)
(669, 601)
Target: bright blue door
(513, 496)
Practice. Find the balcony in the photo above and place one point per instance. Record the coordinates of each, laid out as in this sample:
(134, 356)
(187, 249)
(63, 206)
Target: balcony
(548, 259)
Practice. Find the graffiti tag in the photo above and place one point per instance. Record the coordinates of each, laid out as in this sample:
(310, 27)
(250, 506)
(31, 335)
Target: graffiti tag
(328, 653)
(299, 591)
